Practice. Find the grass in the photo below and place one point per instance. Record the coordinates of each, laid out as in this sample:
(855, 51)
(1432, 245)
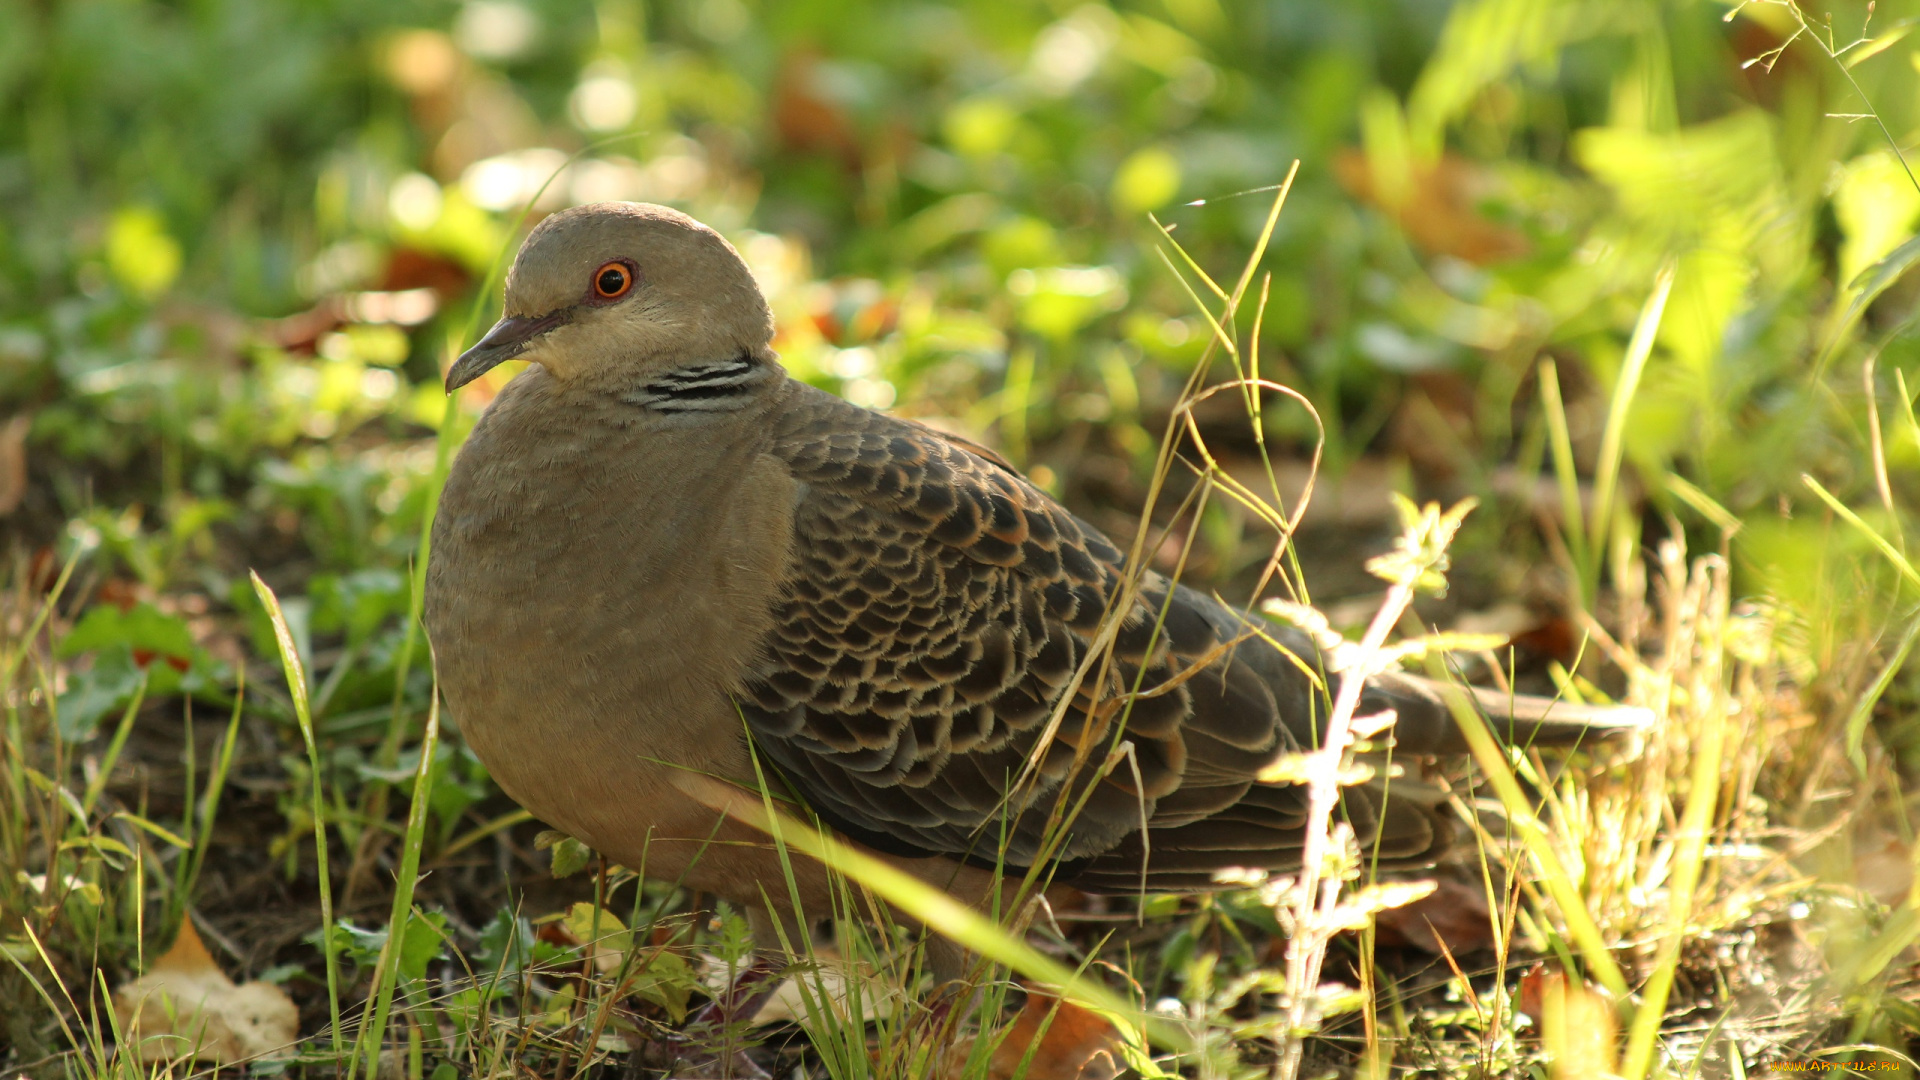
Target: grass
(1732, 892)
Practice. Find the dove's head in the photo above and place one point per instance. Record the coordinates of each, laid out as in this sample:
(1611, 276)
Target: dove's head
(613, 295)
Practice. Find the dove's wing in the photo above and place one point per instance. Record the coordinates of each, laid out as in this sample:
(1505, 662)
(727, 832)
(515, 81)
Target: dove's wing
(935, 611)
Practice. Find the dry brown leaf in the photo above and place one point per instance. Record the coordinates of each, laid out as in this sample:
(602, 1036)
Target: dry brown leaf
(828, 987)
(1441, 211)
(1454, 913)
(808, 116)
(828, 984)
(13, 463)
(1882, 865)
(186, 1007)
(1555, 637)
(1575, 1021)
(1078, 1043)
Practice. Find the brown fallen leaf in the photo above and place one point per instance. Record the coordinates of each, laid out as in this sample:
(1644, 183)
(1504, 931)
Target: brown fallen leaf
(808, 116)
(1882, 865)
(1555, 637)
(13, 463)
(1441, 211)
(1454, 914)
(44, 570)
(185, 1007)
(853, 311)
(121, 593)
(1077, 1044)
(410, 268)
(1575, 1022)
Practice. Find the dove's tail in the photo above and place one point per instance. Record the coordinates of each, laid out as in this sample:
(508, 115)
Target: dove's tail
(1427, 724)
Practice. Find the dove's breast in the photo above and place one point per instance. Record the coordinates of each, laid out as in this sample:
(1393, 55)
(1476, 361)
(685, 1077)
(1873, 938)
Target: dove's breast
(595, 589)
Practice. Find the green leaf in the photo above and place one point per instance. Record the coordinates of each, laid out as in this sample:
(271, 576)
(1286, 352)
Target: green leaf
(421, 944)
(127, 643)
(1147, 180)
(165, 834)
(602, 930)
(140, 253)
(569, 855)
(357, 603)
(668, 981)
(92, 694)
(280, 973)
(423, 940)
(1875, 279)
(142, 626)
(506, 945)
(358, 945)
(110, 851)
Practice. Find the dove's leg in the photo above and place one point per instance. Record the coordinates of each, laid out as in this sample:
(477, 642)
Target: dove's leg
(954, 998)
(947, 961)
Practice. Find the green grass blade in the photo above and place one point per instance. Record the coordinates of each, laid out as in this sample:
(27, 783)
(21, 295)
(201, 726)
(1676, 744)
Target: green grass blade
(45, 609)
(1558, 880)
(1868, 284)
(1707, 506)
(112, 756)
(297, 688)
(1573, 519)
(209, 805)
(53, 1007)
(1900, 562)
(387, 970)
(936, 908)
(1612, 440)
(1856, 727)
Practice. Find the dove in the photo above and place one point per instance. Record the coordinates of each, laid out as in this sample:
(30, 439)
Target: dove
(665, 576)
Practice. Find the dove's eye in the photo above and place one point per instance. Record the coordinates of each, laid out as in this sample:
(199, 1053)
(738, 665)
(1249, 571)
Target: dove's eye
(612, 281)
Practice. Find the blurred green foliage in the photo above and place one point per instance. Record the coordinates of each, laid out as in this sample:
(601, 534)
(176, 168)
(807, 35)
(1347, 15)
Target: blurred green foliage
(942, 197)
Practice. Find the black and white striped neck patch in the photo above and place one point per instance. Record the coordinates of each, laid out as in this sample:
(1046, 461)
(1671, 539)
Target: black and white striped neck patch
(714, 386)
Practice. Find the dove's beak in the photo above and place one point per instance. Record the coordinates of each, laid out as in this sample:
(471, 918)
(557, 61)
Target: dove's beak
(508, 339)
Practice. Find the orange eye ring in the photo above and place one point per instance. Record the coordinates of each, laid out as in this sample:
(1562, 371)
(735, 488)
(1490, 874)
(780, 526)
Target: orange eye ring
(612, 281)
